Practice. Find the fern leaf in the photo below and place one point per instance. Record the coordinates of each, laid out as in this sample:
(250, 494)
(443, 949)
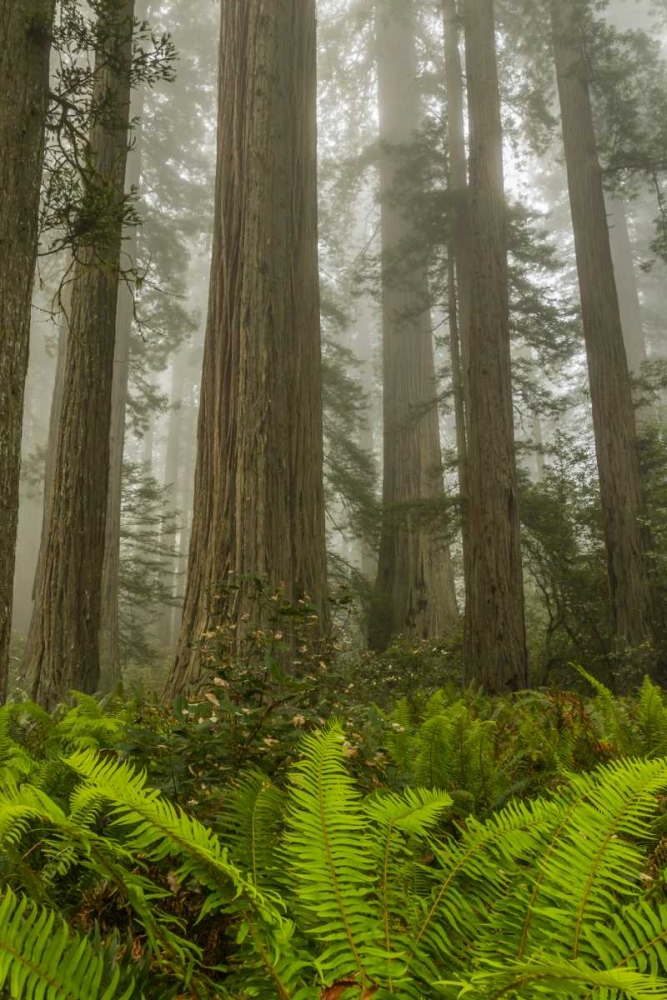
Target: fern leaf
(329, 853)
(157, 829)
(548, 978)
(41, 958)
(250, 821)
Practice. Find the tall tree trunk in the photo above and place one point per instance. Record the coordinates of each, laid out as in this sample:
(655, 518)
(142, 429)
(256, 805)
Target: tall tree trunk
(185, 505)
(110, 670)
(458, 395)
(52, 440)
(459, 251)
(621, 494)
(172, 476)
(259, 498)
(626, 284)
(64, 641)
(25, 45)
(110, 666)
(368, 557)
(495, 641)
(415, 583)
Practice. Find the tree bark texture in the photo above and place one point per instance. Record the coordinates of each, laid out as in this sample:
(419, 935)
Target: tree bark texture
(259, 505)
(621, 494)
(25, 45)
(63, 645)
(415, 583)
(52, 440)
(495, 642)
(458, 250)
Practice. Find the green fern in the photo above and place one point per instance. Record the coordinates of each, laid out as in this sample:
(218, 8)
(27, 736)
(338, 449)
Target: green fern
(250, 823)
(547, 978)
(155, 829)
(569, 903)
(652, 720)
(611, 714)
(41, 958)
(329, 853)
(401, 823)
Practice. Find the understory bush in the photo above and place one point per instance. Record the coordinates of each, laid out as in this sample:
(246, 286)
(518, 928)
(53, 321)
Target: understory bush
(446, 876)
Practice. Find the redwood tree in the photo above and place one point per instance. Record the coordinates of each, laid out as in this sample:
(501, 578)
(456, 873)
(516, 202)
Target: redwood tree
(63, 642)
(25, 45)
(621, 494)
(495, 644)
(258, 506)
(458, 249)
(415, 585)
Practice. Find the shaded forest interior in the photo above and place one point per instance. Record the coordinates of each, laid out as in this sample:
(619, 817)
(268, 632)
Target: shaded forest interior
(433, 356)
(333, 462)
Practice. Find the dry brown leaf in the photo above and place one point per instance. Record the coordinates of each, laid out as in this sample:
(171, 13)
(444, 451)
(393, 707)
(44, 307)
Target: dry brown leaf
(337, 989)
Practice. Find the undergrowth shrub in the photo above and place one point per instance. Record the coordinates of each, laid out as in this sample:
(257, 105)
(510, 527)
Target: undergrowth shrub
(318, 890)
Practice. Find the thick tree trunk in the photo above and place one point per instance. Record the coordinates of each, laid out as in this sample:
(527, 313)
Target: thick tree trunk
(415, 583)
(621, 493)
(64, 641)
(495, 642)
(459, 251)
(259, 499)
(25, 45)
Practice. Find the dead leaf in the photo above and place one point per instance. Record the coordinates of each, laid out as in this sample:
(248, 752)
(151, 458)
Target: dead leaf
(337, 989)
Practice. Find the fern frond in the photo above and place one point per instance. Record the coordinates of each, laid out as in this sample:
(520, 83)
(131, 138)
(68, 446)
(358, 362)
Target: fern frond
(87, 725)
(548, 978)
(652, 720)
(329, 853)
(41, 958)
(476, 872)
(597, 849)
(610, 713)
(431, 764)
(156, 829)
(395, 819)
(250, 823)
(399, 737)
(635, 939)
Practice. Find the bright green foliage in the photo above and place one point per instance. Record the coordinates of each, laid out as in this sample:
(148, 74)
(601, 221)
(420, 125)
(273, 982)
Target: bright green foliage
(41, 957)
(342, 864)
(320, 891)
(453, 748)
(252, 815)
